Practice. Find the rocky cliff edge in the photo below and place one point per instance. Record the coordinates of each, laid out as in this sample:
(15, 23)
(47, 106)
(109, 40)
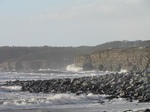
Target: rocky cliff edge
(115, 59)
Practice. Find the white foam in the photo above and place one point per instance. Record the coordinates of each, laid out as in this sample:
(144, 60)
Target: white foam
(40, 100)
(72, 72)
(89, 101)
(73, 68)
(123, 71)
(12, 88)
(12, 98)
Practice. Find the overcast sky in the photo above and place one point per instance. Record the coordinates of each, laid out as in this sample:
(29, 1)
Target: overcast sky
(72, 22)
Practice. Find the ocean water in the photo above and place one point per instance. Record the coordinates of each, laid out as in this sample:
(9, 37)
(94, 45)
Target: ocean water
(11, 97)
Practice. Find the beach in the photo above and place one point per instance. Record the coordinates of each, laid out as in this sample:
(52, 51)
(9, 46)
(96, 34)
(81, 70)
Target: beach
(15, 96)
(97, 107)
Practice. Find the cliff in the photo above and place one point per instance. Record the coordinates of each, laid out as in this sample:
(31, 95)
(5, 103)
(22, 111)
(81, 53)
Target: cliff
(34, 58)
(115, 59)
(47, 57)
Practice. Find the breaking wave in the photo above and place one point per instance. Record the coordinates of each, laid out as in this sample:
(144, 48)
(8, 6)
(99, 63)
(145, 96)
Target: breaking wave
(123, 71)
(36, 100)
(73, 68)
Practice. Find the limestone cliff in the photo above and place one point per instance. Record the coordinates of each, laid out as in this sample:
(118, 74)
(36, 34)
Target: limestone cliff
(115, 59)
(46, 57)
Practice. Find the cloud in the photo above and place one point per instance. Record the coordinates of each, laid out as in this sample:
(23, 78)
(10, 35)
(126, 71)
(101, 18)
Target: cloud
(113, 10)
(74, 22)
(125, 18)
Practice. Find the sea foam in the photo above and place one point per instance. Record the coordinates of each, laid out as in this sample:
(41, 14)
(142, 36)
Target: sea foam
(73, 68)
(35, 100)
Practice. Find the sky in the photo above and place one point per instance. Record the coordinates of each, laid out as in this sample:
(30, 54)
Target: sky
(72, 22)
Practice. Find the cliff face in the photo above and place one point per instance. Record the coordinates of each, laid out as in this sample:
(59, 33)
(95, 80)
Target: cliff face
(115, 59)
(46, 57)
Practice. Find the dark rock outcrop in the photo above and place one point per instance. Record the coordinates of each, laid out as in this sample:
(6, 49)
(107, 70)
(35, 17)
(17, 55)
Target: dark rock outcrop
(144, 110)
(115, 59)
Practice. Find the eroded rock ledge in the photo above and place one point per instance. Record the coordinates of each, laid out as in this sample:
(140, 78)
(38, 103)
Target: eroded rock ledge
(130, 85)
(115, 59)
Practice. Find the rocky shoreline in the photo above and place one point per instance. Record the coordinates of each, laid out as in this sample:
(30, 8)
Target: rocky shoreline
(130, 85)
(67, 110)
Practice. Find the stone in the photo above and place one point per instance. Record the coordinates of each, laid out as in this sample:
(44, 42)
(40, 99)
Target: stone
(147, 110)
(115, 60)
(115, 85)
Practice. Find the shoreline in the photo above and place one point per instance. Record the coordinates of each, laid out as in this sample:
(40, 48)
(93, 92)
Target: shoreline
(117, 107)
(130, 85)
(70, 110)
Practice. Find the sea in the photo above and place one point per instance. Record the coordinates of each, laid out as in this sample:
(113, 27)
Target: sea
(11, 97)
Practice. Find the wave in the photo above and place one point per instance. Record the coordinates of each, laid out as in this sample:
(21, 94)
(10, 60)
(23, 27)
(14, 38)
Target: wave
(123, 71)
(73, 68)
(10, 88)
(39, 100)
(66, 100)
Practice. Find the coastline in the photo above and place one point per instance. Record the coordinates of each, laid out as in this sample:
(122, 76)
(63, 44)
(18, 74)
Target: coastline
(134, 107)
(66, 110)
(86, 103)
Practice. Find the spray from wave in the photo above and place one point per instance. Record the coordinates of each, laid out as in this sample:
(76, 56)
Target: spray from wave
(73, 68)
(123, 71)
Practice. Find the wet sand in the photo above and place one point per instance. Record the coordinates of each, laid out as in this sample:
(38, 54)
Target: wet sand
(38, 110)
(80, 109)
(61, 110)
(112, 107)
(54, 110)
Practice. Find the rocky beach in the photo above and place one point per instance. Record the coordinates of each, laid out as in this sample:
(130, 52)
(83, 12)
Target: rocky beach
(108, 80)
(70, 109)
(130, 85)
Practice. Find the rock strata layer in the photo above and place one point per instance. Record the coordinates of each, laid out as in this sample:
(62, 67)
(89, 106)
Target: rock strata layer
(115, 59)
(130, 85)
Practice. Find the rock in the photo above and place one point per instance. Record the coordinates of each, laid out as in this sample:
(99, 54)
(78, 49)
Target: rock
(128, 111)
(111, 97)
(115, 60)
(117, 85)
(147, 110)
(66, 81)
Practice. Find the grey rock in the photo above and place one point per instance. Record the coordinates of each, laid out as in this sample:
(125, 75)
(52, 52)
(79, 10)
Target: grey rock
(124, 85)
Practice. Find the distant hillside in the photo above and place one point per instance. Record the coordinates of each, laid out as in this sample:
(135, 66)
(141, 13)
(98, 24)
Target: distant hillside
(46, 57)
(33, 58)
(123, 44)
